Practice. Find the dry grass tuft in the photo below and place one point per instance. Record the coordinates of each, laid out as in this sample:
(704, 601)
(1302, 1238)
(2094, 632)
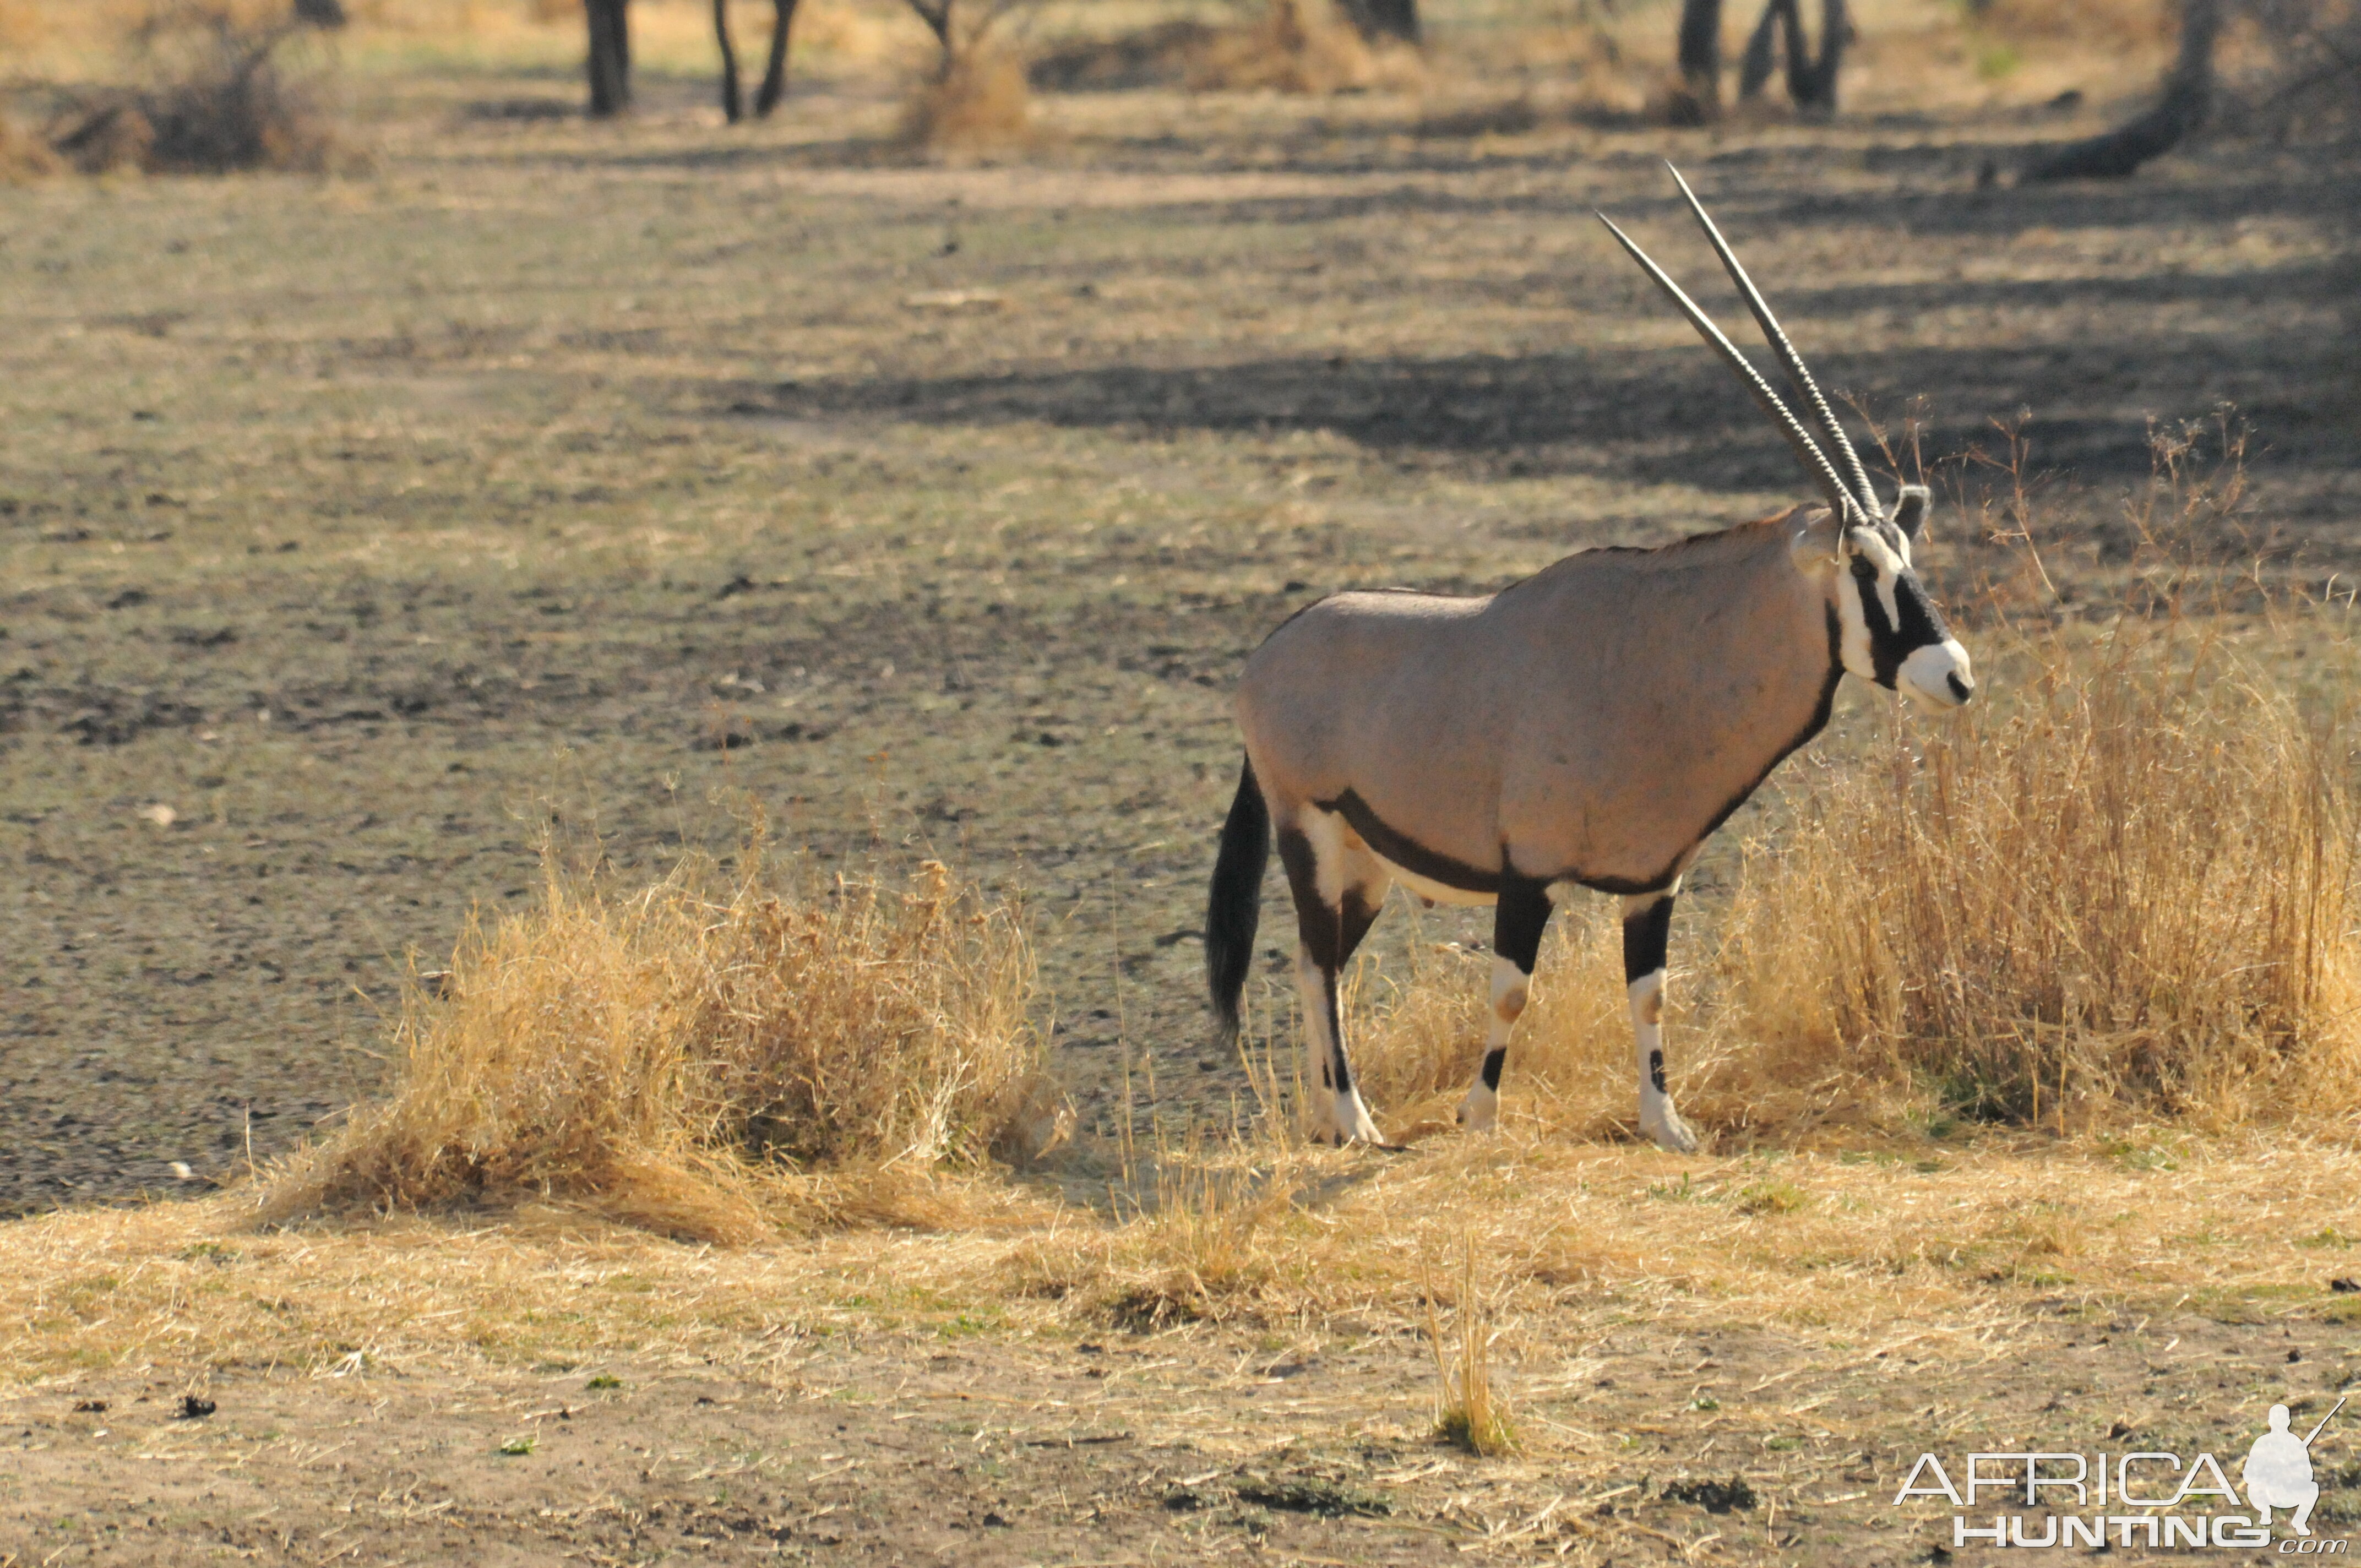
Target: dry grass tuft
(708, 1059)
(2128, 891)
(215, 95)
(2125, 889)
(1466, 1412)
(979, 99)
(1418, 1036)
(1212, 1243)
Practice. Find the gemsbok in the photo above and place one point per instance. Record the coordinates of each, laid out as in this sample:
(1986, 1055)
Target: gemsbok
(1585, 727)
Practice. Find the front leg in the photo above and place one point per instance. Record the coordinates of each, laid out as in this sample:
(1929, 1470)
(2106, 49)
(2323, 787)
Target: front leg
(1518, 922)
(1647, 930)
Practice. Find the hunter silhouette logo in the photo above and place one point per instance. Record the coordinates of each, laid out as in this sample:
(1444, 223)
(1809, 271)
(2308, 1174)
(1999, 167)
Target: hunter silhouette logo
(2147, 1497)
(2278, 1472)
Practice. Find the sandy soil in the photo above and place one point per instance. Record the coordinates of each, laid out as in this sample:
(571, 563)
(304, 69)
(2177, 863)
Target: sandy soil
(1192, 1446)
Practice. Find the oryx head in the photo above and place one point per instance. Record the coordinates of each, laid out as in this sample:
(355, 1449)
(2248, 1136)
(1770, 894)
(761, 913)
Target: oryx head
(1891, 632)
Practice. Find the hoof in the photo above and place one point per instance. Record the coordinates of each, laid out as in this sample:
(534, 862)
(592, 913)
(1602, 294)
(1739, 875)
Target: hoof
(1672, 1135)
(1479, 1114)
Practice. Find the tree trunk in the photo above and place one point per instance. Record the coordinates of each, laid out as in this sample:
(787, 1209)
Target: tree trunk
(2181, 109)
(320, 12)
(1700, 55)
(611, 56)
(1811, 78)
(732, 108)
(774, 74)
(1812, 81)
(1375, 21)
(1762, 55)
(937, 15)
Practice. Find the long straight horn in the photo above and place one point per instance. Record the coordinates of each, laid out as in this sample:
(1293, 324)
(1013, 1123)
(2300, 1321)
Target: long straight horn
(1815, 461)
(1796, 373)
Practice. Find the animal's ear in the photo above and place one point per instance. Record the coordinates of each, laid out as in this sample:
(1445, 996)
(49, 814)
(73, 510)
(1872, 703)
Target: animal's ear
(1910, 510)
(1819, 542)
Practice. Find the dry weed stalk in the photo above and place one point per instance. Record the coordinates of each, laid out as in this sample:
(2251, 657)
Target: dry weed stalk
(1466, 1410)
(708, 1057)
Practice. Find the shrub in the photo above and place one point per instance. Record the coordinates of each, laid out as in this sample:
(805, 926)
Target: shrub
(215, 97)
(709, 1058)
(978, 98)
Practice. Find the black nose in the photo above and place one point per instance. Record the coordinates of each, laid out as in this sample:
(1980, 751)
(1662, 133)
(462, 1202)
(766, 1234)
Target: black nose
(1962, 689)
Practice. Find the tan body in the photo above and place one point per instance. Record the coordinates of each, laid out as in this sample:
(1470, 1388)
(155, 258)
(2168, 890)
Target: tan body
(1543, 732)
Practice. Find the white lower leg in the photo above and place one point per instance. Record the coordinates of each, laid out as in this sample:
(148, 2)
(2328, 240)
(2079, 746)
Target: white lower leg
(1480, 1111)
(1319, 1049)
(1336, 1114)
(1658, 1119)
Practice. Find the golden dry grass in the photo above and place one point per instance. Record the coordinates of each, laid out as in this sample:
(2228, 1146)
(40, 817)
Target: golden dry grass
(979, 100)
(1905, 1242)
(1467, 1410)
(712, 1057)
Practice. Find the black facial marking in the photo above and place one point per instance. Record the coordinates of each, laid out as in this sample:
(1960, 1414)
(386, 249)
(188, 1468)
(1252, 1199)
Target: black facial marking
(1656, 1070)
(1645, 936)
(1493, 1061)
(1921, 624)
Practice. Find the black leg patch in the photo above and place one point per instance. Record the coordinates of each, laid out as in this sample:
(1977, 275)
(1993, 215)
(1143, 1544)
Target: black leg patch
(1645, 936)
(1493, 1062)
(1315, 921)
(1519, 920)
(1656, 1070)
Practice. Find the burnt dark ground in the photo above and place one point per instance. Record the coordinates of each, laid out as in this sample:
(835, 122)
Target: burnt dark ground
(556, 478)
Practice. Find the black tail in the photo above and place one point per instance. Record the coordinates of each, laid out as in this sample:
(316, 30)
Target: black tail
(1234, 908)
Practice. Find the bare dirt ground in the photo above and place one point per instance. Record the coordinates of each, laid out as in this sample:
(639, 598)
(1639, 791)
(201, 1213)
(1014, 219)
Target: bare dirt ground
(358, 533)
(895, 1449)
(1694, 1375)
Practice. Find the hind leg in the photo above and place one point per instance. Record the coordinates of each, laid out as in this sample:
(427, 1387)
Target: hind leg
(1647, 930)
(1338, 886)
(1518, 921)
